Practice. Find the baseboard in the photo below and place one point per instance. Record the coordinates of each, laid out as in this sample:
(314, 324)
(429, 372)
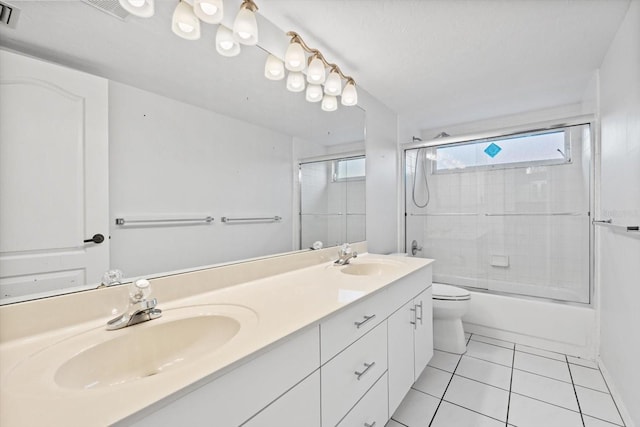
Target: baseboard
(617, 397)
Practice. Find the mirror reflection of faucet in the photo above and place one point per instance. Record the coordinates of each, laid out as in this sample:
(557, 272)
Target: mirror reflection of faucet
(345, 253)
(415, 248)
(141, 308)
(110, 278)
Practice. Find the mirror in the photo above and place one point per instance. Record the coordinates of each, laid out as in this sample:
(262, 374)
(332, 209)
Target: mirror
(192, 134)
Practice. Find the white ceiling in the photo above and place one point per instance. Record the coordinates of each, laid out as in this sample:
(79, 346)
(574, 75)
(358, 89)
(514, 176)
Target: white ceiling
(435, 62)
(439, 62)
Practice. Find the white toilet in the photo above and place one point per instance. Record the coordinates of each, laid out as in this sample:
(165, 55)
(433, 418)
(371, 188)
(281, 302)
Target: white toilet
(449, 305)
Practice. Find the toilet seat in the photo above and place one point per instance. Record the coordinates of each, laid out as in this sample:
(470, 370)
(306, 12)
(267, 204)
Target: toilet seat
(449, 293)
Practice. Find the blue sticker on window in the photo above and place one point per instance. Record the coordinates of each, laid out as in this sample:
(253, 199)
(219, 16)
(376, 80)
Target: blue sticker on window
(492, 150)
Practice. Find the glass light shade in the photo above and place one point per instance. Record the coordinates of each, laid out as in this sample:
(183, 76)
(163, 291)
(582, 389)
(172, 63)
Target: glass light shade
(295, 58)
(316, 73)
(141, 8)
(245, 27)
(209, 11)
(329, 103)
(314, 93)
(349, 95)
(333, 84)
(273, 68)
(184, 22)
(295, 81)
(226, 45)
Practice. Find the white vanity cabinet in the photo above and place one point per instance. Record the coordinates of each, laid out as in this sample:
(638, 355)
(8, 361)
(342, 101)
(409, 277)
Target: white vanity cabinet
(410, 345)
(351, 370)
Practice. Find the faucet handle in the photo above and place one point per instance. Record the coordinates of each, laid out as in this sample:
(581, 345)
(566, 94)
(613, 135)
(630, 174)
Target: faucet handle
(139, 290)
(345, 249)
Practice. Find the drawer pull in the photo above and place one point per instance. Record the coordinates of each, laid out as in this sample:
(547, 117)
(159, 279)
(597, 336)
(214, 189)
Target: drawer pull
(414, 322)
(366, 319)
(373, 424)
(421, 312)
(366, 369)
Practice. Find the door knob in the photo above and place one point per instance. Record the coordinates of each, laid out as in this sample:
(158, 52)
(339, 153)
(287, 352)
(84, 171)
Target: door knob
(97, 238)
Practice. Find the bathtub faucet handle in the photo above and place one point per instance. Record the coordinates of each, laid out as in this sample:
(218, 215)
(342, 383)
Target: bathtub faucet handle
(415, 248)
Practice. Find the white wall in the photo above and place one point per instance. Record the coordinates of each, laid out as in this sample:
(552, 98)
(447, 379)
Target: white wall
(619, 253)
(171, 158)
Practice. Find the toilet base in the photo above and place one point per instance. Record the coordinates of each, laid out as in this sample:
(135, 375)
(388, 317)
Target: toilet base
(448, 335)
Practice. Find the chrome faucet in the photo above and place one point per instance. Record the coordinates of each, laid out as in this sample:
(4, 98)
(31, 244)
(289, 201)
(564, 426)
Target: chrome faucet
(345, 254)
(141, 309)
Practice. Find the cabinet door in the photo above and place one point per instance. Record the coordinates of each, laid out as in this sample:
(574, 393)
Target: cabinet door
(423, 334)
(300, 406)
(401, 326)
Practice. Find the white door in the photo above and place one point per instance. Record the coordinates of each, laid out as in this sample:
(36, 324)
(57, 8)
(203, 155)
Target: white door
(53, 177)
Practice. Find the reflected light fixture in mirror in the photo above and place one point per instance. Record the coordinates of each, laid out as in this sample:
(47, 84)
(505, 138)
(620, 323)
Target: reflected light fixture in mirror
(226, 44)
(316, 73)
(349, 96)
(329, 103)
(314, 93)
(209, 11)
(140, 8)
(273, 68)
(295, 81)
(295, 58)
(245, 27)
(184, 22)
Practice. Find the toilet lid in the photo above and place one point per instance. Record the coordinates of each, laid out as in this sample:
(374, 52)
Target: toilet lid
(448, 292)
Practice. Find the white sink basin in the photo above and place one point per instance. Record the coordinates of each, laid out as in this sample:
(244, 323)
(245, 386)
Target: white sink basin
(370, 268)
(99, 358)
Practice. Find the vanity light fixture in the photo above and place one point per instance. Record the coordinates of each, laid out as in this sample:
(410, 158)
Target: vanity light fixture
(333, 84)
(274, 68)
(296, 59)
(226, 44)
(245, 27)
(140, 8)
(209, 11)
(184, 22)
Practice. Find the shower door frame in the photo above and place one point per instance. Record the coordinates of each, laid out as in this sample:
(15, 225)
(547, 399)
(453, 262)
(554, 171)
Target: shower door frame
(594, 199)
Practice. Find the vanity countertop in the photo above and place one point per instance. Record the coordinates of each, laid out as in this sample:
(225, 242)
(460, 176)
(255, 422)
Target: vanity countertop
(278, 307)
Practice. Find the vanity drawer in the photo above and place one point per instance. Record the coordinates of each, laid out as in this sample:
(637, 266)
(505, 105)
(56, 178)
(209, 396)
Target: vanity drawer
(348, 376)
(339, 331)
(407, 287)
(371, 410)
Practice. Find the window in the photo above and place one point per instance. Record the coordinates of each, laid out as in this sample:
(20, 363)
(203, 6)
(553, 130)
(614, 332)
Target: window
(542, 148)
(349, 169)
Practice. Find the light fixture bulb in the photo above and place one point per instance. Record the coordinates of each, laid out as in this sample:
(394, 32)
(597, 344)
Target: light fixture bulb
(329, 103)
(295, 81)
(314, 93)
(295, 58)
(140, 8)
(184, 22)
(333, 84)
(273, 68)
(316, 73)
(209, 11)
(349, 95)
(226, 45)
(245, 27)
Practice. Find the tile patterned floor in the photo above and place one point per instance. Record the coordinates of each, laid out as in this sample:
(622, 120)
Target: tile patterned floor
(499, 383)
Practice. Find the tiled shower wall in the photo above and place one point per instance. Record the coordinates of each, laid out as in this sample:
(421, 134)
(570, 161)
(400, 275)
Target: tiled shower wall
(522, 230)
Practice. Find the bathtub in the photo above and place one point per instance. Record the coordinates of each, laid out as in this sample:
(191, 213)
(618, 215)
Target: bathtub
(553, 326)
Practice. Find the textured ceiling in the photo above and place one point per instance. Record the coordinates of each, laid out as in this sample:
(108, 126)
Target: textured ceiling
(435, 62)
(439, 62)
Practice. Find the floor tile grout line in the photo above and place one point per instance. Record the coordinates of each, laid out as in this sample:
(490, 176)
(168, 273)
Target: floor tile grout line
(545, 376)
(402, 424)
(548, 403)
(469, 409)
(445, 390)
(513, 361)
(573, 384)
(481, 382)
(490, 361)
(540, 355)
(611, 395)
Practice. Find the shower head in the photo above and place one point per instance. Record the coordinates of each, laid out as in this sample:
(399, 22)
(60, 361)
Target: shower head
(415, 138)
